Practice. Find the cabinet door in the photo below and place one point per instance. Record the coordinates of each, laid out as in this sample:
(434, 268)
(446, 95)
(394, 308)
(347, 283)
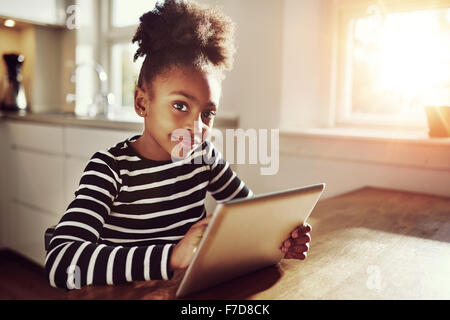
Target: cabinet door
(73, 169)
(31, 224)
(40, 180)
(83, 143)
(38, 137)
(4, 179)
(9, 226)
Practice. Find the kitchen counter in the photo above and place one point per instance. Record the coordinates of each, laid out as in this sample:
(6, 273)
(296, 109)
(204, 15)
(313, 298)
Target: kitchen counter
(128, 123)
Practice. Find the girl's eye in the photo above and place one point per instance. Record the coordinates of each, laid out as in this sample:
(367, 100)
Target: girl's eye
(180, 106)
(209, 114)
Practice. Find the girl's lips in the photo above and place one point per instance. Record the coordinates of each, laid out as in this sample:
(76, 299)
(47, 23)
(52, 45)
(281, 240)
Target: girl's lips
(188, 143)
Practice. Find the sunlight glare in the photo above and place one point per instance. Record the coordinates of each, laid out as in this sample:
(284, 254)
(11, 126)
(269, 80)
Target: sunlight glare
(408, 55)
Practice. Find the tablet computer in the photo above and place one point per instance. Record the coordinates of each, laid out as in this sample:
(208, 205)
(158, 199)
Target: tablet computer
(246, 234)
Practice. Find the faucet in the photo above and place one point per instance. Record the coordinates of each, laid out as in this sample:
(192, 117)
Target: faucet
(103, 101)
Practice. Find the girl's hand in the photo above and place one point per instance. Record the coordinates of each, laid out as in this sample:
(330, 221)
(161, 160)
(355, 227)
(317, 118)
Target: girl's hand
(297, 245)
(183, 252)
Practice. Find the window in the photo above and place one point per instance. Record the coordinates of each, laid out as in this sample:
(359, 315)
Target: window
(122, 22)
(124, 72)
(393, 61)
(126, 13)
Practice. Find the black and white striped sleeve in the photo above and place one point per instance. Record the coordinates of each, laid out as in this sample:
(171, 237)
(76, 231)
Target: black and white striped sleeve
(74, 253)
(224, 184)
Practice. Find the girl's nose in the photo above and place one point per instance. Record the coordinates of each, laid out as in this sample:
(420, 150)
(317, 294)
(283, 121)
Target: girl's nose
(196, 128)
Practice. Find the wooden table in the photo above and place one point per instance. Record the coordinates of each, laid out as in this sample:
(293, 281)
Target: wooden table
(367, 244)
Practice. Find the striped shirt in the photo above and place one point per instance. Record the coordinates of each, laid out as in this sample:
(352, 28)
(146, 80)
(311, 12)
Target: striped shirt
(129, 212)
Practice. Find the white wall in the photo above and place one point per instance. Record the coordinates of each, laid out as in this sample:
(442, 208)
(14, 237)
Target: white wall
(306, 63)
(342, 175)
(281, 76)
(253, 88)
(47, 80)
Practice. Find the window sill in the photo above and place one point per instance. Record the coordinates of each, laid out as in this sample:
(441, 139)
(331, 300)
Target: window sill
(408, 136)
(406, 148)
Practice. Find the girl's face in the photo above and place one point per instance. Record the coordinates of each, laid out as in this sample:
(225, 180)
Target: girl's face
(182, 106)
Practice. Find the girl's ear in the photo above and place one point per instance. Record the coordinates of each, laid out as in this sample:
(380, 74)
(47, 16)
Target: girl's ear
(140, 102)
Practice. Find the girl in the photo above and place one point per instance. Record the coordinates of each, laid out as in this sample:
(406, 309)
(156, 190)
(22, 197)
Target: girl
(138, 213)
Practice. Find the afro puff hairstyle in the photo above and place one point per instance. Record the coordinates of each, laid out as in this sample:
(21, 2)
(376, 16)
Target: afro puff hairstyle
(183, 33)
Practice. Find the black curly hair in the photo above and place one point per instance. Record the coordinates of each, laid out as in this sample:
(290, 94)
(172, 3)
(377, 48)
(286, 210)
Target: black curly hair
(183, 33)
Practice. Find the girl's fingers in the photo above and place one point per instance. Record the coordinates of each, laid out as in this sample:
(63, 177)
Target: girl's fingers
(294, 255)
(305, 228)
(206, 220)
(203, 222)
(198, 233)
(305, 238)
(295, 249)
(286, 245)
(300, 248)
(300, 256)
(299, 236)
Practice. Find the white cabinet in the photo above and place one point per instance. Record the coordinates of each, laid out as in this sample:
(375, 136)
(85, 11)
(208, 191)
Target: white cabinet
(11, 226)
(4, 183)
(44, 166)
(84, 142)
(73, 169)
(80, 145)
(37, 157)
(42, 11)
(30, 226)
(37, 137)
(40, 180)
(36, 186)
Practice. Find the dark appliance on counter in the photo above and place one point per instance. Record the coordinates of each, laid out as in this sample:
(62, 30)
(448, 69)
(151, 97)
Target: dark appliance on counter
(13, 94)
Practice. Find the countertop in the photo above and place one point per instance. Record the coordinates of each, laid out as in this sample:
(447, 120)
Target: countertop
(129, 123)
(367, 244)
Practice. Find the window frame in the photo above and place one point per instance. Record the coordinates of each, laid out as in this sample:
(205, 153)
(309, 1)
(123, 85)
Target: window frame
(111, 36)
(344, 11)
